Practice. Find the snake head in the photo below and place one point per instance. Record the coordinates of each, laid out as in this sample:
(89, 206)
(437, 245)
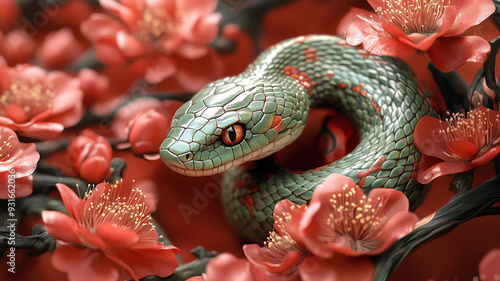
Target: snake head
(232, 121)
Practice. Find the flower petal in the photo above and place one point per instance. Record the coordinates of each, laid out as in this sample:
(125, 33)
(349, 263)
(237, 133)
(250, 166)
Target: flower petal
(61, 226)
(84, 264)
(107, 52)
(205, 29)
(392, 201)
(470, 13)
(386, 46)
(129, 45)
(71, 201)
(449, 53)
(399, 225)
(462, 148)
(486, 157)
(227, 267)
(442, 169)
(339, 267)
(147, 260)
(426, 128)
(160, 68)
(98, 26)
(116, 236)
(269, 261)
(357, 25)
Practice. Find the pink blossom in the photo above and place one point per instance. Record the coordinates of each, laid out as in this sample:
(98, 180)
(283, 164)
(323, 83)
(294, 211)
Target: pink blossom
(155, 37)
(399, 28)
(59, 48)
(108, 235)
(341, 219)
(38, 104)
(460, 144)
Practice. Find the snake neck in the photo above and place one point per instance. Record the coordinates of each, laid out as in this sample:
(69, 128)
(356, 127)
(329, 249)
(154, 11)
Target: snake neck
(360, 86)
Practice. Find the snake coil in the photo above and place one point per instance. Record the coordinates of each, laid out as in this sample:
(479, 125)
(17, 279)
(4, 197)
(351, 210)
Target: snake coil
(247, 117)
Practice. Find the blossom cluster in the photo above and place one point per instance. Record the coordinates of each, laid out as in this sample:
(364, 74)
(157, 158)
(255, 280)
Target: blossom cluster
(332, 238)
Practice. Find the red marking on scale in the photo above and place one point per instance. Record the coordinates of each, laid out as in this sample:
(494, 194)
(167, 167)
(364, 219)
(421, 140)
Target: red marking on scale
(254, 187)
(300, 76)
(342, 85)
(329, 74)
(358, 89)
(377, 109)
(377, 166)
(310, 54)
(277, 123)
(240, 184)
(415, 169)
(247, 200)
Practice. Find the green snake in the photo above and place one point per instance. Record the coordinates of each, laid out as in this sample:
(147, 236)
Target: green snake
(247, 117)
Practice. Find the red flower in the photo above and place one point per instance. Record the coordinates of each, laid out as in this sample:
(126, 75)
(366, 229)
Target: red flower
(59, 48)
(94, 86)
(341, 219)
(17, 46)
(292, 250)
(91, 155)
(457, 145)
(108, 235)
(38, 104)
(154, 35)
(145, 122)
(489, 268)
(400, 28)
(281, 255)
(17, 163)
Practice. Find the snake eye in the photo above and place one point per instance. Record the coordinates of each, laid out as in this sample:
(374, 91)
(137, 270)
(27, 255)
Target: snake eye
(232, 135)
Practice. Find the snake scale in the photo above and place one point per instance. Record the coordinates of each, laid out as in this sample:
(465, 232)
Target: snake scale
(247, 117)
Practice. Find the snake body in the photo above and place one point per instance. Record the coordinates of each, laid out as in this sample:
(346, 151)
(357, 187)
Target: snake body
(267, 106)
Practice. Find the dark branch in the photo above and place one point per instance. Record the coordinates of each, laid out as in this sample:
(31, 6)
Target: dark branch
(463, 207)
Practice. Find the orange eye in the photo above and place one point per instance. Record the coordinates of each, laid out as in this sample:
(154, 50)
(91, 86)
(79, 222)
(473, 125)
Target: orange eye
(232, 135)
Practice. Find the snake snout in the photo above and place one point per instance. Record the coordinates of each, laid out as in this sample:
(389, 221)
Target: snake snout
(175, 153)
(170, 159)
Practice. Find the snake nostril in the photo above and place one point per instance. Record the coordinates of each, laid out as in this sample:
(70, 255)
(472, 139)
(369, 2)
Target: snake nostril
(186, 157)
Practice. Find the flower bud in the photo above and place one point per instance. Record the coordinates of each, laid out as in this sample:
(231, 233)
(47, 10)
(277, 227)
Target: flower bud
(91, 155)
(147, 132)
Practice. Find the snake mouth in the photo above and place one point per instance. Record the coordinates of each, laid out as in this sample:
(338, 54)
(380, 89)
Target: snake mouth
(202, 172)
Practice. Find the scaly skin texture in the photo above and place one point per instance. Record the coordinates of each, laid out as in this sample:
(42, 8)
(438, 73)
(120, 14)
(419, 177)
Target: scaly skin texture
(271, 100)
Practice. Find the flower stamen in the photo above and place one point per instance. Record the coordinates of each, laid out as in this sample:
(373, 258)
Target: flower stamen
(475, 129)
(25, 99)
(417, 16)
